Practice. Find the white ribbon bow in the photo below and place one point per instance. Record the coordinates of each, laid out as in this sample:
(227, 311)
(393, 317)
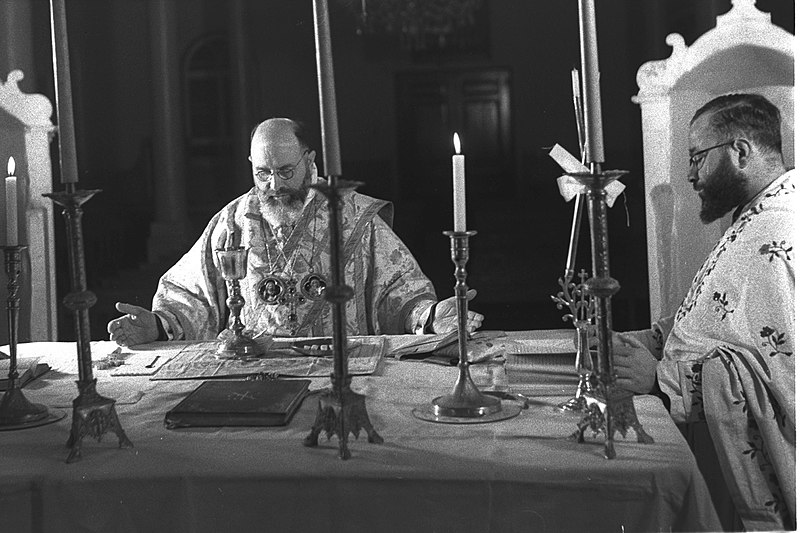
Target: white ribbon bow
(569, 187)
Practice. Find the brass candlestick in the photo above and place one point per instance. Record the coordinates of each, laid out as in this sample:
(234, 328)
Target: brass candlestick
(15, 410)
(575, 297)
(608, 409)
(93, 415)
(340, 411)
(237, 345)
(465, 403)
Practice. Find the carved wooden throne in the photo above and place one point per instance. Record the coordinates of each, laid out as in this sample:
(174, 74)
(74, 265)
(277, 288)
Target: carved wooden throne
(745, 52)
(25, 134)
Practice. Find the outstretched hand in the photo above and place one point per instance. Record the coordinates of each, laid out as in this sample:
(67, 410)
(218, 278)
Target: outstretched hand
(445, 318)
(137, 326)
(635, 365)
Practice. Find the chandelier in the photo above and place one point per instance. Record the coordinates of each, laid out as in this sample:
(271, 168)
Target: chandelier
(423, 24)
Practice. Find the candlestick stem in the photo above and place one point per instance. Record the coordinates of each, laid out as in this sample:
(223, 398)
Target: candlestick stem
(15, 410)
(608, 409)
(340, 411)
(92, 414)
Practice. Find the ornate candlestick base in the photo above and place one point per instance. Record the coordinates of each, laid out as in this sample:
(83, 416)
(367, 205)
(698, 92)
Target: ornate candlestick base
(465, 401)
(92, 414)
(15, 410)
(619, 409)
(235, 345)
(341, 412)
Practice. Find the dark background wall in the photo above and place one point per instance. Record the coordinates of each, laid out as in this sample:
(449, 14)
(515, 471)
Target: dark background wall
(522, 222)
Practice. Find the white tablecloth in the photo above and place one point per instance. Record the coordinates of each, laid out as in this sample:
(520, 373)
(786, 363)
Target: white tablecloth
(521, 474)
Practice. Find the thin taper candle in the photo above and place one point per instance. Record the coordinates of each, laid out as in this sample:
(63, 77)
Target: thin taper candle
(12, 229)
(592, 112)
(577, 102)
(61, 71)
(459, 193)
(331, 155)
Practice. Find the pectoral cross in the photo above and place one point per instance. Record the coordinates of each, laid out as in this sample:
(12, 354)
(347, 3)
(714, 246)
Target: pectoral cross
(292, 297)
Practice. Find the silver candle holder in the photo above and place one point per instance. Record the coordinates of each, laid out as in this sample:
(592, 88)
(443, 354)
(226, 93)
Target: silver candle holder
(16, 412)
(236, 345)
(465, 403)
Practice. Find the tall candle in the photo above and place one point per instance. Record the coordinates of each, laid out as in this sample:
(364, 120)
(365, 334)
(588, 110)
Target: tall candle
(61, 71)
(459, 195)
(327, 94)
(592, 113)
(12, 238)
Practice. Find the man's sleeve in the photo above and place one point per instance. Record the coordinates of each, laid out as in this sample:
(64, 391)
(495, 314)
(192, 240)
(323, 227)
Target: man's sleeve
(190, 297)
(401, 293)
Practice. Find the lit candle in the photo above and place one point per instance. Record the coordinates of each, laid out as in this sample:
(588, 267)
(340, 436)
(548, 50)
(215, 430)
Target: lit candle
(459, 196)
(12, 238)
(592, 113)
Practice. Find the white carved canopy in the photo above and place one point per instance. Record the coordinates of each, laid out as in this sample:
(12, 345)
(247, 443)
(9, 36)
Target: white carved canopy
(745, 52)
(26, 133)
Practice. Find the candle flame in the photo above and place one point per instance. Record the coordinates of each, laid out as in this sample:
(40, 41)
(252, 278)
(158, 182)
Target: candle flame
(457, 143)
(12, 166)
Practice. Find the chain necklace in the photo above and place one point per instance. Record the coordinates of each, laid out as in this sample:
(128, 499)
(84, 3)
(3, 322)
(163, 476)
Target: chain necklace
(280, 287)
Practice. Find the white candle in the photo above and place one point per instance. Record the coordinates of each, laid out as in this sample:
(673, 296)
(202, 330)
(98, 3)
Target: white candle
(12, 238)
(329, 124)
(459, 195)
(593, 119)
(63, 87)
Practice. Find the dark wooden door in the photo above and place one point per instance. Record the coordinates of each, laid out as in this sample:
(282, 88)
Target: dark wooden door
(434, 104)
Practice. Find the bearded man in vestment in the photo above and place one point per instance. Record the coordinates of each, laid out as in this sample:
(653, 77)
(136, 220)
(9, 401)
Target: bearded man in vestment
(283, 222)
(727, 355)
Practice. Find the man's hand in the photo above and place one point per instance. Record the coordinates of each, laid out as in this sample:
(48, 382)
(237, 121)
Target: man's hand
(445, 318)
(138, 326)
(635, 365)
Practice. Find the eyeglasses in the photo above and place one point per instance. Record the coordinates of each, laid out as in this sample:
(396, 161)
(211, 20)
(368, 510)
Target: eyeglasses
(697, 159)
(285, 173)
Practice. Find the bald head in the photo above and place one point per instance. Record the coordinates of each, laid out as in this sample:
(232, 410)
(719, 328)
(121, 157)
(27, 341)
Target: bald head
(281, 159)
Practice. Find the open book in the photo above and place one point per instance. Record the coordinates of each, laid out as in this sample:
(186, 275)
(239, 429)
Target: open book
(28, 368)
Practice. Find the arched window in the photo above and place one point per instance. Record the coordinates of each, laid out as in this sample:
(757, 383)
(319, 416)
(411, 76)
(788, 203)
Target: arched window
(208, 132)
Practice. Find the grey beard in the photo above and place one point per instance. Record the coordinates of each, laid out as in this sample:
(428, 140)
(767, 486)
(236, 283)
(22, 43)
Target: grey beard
(285, 210)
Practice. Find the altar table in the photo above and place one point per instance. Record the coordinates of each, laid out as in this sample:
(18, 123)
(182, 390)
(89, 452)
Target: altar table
(519, 475)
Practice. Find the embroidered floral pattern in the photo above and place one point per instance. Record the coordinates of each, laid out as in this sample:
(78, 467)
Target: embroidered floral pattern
(722, 304)
(756, 450)
(696, 390)
(774, 339)
(776, 250)
(710, 263)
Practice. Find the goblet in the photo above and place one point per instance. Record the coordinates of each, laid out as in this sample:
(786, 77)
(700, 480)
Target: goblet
(235, 345)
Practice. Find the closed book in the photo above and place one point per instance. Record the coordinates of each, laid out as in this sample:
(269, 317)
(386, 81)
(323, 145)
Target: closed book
(218, 403)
